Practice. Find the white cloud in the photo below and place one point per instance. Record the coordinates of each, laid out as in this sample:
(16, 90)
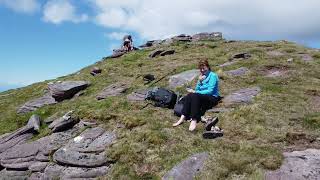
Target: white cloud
(22, 6)
(258, 19)
(58, 11)
(115, 35)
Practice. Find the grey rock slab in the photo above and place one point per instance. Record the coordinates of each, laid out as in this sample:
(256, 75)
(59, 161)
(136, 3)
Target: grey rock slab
(67, 156)
(20, 151)
(34, 122)
(18, 166)
(38, 166)
(168, 52)
(54, 141)
(242, 96)
(63, 123)
(42, 158)
(84, 173)
(298, 165)
(138, 95)
(34, 104)
(112, 90)
(15, 141)
(187, 169)
(155, 53)
(237, 72)
(66, 89)
(53, 171)
(87, 149)
(183, 78)
(56, 171)
(13, 175)
(36, 176)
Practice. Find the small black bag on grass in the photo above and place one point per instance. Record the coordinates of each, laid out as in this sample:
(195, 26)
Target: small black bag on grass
(162, 97)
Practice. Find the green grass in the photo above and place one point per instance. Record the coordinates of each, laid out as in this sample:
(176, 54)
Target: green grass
(148, 146)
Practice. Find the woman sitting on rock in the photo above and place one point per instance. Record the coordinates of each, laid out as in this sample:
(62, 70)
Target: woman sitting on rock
(204, 97)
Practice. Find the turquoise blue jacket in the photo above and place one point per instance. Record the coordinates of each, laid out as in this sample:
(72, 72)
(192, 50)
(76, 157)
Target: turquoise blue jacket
(210, 85)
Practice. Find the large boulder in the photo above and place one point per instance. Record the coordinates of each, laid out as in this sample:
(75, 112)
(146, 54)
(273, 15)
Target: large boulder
(183, 78)
(34, 104)
(86, 150)
(112, 90)
(187, 169)
(207, 36)
(298, 165)
(66, 89)
(242, 96)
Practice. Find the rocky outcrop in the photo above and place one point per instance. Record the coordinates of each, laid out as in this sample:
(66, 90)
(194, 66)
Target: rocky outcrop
(207, 36)
(242, 96)
(86, 150)
(183, 78)
(112, 90)
(21, 135)
(187, 169)
(298, 165)
(81, 156)
(66, 89)
(182, 37)
(34, 104)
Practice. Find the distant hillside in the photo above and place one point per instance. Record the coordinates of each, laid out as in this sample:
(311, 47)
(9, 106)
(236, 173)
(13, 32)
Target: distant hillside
(283, 116)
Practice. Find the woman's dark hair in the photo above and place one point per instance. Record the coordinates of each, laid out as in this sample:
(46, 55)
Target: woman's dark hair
(204, 62)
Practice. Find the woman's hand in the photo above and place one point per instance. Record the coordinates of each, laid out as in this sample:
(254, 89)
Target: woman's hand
(189, 90)
(202, 77)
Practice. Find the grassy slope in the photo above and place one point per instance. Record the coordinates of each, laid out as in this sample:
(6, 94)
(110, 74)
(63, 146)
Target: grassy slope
(148, 147)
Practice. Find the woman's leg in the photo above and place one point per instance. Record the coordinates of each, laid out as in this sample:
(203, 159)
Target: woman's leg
(199, 102)
(185, 110)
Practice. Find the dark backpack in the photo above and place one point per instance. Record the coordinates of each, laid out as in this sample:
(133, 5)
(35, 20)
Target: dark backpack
(177, 110)
(162, 97)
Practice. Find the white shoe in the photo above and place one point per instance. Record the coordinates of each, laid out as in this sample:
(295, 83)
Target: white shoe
(193, 125)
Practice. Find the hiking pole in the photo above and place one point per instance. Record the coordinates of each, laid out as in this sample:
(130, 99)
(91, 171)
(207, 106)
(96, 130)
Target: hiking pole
(162, 78)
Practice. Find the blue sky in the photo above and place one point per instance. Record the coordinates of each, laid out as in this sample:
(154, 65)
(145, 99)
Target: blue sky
(44, 39)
